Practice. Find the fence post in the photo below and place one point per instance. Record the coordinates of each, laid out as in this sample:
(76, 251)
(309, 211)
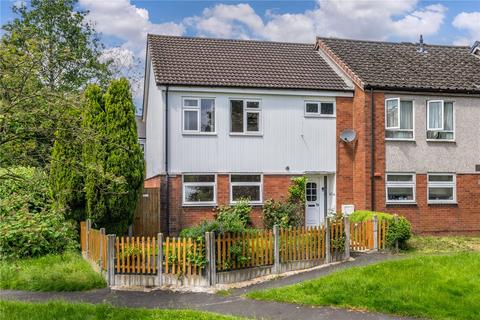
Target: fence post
(276, 249)
(111, 259)
(328, 254)
(346, 222)
(395, 218)
(210, 253)
(102, 233)
(375, 233)
(88, 225)
(160, 259)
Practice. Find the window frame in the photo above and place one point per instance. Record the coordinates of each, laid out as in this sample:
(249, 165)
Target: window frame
(443, 121)
(198, 109)
(199, 184)
(260, 184)
(442, 184)
(319, 114)
(246, 111)
(398, 129)
(401, 184)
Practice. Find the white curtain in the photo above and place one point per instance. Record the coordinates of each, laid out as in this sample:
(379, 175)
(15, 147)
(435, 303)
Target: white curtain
(448, 121)
(406, 115)
(435, 114)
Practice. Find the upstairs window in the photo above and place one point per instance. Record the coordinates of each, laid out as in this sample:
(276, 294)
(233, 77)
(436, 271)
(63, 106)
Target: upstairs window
(198, 115)
(440, 120)
(398, 119)
(199, 189)
(318, 108)
(246, 187)
(442, 188)
(245, 116)
(400, 188)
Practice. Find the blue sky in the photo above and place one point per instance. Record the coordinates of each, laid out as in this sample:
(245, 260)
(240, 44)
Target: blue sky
(125, 23)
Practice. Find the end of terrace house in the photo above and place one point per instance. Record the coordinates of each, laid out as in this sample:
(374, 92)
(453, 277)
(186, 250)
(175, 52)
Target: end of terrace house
(230, 119)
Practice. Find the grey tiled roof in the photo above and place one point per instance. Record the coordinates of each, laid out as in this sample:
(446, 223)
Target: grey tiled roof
(240, 63)
(399, 65)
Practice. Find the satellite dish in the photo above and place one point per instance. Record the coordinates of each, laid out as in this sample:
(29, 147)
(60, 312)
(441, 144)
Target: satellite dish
(348, 135)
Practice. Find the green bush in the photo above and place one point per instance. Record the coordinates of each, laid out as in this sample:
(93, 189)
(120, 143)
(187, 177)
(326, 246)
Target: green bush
(296, 191)
(30, 225)
(400, 230)
(283, 214)
(232, 219)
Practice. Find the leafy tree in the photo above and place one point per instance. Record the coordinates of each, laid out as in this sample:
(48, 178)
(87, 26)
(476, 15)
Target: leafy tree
(69, 45)
(113, 159)
(124, 155)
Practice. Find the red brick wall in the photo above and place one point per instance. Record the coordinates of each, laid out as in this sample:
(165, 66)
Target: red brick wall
(460, 218)
(345, 153)
(274, 187)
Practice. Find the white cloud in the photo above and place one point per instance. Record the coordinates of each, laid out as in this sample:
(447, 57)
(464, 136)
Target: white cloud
(469, 21)
(121, 19)
(362, 19)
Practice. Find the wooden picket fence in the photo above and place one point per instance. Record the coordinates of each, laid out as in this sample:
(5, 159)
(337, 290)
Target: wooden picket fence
(83, 236)
(184, 256)
(245, 250)
(136, 255)
(362, 235)
(298, 244)
(93, 243)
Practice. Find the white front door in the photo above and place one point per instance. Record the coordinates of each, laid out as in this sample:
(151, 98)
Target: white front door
(314, 201)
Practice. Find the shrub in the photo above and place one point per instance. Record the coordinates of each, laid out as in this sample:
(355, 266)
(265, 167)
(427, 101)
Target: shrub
(198, 232)
(400, 230)
(29, 224)
(283, 214)
(296, 192)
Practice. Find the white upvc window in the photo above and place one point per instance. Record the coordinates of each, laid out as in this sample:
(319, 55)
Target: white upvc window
(400, 187)
(245, 116)
(442, 188)
(198, 115)
(399, 119)
(199, 189)
(319, 108)
(246, 187)
(440, 120)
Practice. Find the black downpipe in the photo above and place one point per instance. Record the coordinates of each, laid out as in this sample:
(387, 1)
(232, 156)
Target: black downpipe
(372, 152)
(167, 204)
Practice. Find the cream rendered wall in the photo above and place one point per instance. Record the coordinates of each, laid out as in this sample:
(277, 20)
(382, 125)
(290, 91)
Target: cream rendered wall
(422, 156)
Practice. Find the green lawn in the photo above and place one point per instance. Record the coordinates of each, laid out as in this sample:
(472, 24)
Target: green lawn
(435, 245)
(436, 287)
(67, 311)
(66, 272)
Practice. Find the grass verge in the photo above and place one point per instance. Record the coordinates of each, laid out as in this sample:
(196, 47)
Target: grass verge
(82, 311)
(441, 245)
(436, 287)
(66, 272)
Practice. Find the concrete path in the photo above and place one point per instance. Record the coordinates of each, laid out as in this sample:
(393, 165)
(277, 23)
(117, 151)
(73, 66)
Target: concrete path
(233, 304)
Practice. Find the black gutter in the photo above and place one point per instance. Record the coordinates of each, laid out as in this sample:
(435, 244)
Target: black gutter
(372, 152)
(167, 204)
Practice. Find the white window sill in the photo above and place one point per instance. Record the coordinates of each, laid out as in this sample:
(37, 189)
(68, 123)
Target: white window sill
(258, 204)
(390, 203)
(246, 134)
(320, 115)
(442, 202)
(199, 133)
(199, 204)
(404, 140)
(440, 140)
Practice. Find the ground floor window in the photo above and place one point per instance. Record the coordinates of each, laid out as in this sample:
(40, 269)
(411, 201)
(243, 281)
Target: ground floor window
(400, 188)
(246, 186)
(441, 188)
(199, 189)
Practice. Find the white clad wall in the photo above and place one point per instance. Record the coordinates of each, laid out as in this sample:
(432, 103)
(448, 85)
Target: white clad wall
(288, 138)
(155, 124)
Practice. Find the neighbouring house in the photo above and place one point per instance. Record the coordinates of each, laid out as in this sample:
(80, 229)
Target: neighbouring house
(228, 119)
(141, 131)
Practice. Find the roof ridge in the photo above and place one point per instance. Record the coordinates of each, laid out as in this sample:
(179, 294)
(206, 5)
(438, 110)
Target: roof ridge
(391, 42)
(231, 40)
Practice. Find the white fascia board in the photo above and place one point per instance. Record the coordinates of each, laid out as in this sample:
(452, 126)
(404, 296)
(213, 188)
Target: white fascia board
(285, 92)
(337, 69)
(146, 84)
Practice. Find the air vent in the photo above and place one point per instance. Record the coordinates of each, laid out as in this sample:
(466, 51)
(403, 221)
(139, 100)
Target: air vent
(477, 168)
